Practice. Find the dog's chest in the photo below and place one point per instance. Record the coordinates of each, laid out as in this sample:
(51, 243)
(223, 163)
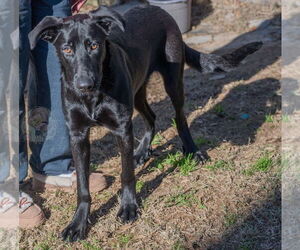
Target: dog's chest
(109, 113)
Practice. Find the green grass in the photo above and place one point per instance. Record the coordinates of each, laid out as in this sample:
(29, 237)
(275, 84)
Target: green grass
(170, 160)
(157, 140)
(158, 164)
(173, 123)
(139, 185)
(124, 239)
(263, 164)
(93, 167)
(269, 118)
(185, 164)
(220, 164)
(183, 199)
(230, 219)
(219, 110)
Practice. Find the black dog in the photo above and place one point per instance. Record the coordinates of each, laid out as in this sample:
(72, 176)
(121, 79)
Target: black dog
(106, 60)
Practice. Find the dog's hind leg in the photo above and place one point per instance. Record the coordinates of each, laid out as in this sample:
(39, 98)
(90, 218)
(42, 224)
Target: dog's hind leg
(173, 80)
(143, 151)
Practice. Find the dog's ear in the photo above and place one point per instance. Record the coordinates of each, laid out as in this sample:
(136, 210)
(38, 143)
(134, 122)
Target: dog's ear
(106, 18)
(47, 30)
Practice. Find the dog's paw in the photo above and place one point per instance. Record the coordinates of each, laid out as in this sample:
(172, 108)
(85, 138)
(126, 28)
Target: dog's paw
(200, 157)
(141, 158)
(74, 232)
(128, 213)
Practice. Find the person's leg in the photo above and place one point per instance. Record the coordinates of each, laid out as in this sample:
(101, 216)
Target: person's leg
(25, 27)
(50, 145)
(6, 27)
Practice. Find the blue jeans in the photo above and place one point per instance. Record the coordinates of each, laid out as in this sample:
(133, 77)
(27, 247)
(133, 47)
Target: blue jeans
(48, 133)
(7, 26)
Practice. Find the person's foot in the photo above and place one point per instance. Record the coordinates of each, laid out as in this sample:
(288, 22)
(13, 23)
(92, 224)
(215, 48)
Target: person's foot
(26, 215)
(8, 211)
(30, 214)
(66, 182)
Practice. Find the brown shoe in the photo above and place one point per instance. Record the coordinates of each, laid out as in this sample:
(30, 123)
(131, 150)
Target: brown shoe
(40, 183)
(30, 214)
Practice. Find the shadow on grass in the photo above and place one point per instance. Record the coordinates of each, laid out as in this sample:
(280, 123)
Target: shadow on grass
(260, 230)
(200, 10)
(146, 191)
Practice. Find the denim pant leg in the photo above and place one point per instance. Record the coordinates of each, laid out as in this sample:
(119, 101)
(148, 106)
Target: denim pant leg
(52, 156)
(24, 51)
(6, 28)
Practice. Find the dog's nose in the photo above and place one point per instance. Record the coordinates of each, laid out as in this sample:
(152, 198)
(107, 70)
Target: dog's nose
(85, 85)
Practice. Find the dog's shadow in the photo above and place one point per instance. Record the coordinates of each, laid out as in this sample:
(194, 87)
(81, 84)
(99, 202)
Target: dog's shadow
(256, 99)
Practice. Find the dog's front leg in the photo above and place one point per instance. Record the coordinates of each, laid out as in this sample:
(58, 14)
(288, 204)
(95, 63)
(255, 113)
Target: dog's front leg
(80, 145)
(128, 209)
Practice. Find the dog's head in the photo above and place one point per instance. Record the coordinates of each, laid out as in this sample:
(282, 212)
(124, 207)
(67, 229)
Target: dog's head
(80, 44)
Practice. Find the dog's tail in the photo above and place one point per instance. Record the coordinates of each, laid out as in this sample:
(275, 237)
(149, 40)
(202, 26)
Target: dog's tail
(208, 63)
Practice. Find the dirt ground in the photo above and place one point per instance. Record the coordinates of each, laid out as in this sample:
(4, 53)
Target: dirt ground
(231, 202)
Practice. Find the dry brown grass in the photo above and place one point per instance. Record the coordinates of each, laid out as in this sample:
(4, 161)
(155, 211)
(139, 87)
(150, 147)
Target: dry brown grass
(219, 205)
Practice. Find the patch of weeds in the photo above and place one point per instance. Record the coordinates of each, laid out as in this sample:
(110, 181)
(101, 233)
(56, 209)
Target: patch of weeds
(202, 141)
(91, 246)
(263, 164)
(230, 219)
(158, 164)
(184, 199)
(139, 185)
(157, 140)
(220, 164)
(219, 110)
(173, 123)
(124, 239)
(285, 118)
(269, 118)
(93, 167)
(171, 159)
(42, 246)
(185, 164)
(178, 246)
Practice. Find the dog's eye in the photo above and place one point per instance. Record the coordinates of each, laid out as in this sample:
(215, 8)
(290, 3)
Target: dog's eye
(67, 50)
(94, 46)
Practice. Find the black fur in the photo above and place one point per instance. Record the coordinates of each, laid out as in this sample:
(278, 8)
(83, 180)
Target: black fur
(107, 57)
